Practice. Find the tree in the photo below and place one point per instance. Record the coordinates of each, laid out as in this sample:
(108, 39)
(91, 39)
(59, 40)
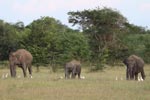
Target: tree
(10, 37)
(53, 43)
(38, 41)
(70, 45)
(134, 29)
(135, 39)
(102, 26)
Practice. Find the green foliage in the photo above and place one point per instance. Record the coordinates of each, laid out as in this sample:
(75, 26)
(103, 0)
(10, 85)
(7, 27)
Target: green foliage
(133, 29)
(70, 45)
(97, 20)
(138, 44)
(38, 41)
(146, 54)
(50, 42)
(10, 36)
(102, 27)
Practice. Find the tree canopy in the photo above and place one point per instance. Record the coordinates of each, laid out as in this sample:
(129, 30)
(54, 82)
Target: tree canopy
(104, 37)
(52, 42)
(102, 26)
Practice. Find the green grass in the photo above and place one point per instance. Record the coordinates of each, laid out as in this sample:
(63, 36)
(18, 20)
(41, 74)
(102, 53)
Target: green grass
(45, 85)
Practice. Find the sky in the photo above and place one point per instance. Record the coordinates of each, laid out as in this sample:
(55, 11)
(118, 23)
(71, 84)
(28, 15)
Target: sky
(137, 12)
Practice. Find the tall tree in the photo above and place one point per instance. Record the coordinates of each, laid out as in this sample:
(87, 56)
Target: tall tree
(52, 42)
(38, 41)
(101, 26)
(10, 37)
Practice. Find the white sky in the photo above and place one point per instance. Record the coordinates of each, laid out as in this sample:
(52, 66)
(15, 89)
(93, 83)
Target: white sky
(136, 11)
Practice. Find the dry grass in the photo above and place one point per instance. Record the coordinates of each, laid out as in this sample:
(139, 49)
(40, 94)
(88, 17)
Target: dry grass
(45, 85)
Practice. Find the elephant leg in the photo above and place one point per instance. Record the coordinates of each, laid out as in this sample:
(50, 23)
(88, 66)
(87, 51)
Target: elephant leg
(127, 74)
(30, 71)
(136, 76)
(143, 74)
(79, 72)
(131, 74)
(13, 71)
(67, 73)
(79, 75)
(24, 72)
(24, 68)
(73, 73)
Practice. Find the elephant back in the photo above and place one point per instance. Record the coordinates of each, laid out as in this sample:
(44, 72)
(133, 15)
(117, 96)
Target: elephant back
(23, 55)
(75, 62)
(139, 61)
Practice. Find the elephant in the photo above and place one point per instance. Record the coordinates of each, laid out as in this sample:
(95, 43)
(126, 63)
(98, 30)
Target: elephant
(134, 65)
(74, 68)
(21, 58)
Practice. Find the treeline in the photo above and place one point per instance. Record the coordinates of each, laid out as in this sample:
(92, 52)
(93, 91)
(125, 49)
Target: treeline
(104, 37)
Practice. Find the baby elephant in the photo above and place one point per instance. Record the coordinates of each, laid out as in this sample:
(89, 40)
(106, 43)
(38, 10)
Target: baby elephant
(74, 68)
(134, 65)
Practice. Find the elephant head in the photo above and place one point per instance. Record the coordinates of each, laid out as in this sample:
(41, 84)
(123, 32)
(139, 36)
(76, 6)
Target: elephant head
(130, 63)
(134, 65)
(14, 58)
(21, 58)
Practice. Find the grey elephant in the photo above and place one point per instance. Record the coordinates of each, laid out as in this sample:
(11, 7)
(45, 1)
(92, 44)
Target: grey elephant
(21, 58)
(72, 69)
(134, 65)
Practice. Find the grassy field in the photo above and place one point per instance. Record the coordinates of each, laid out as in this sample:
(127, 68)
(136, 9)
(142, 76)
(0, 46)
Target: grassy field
(46, 85)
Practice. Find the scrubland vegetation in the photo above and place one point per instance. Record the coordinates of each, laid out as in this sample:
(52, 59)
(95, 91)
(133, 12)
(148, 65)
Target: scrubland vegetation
(104, 38)
(101, 85)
